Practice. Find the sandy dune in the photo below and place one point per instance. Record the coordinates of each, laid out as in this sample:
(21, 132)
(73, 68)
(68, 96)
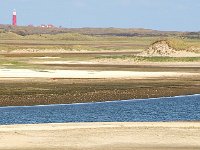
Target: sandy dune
(100, 136)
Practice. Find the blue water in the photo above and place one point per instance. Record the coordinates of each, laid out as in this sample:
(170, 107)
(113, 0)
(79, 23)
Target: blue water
(185, 108)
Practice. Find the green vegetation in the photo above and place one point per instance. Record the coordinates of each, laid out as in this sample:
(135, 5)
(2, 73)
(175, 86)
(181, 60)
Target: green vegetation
(72, 42)
(61, 36)
(30, 39)
(170, 59)
(152, 59)
(178, 44)
(9, 36)
(76, 42)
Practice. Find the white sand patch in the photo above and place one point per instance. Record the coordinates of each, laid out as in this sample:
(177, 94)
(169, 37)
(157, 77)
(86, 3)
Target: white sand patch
(46, 57)
(62, 62)
(26, 73)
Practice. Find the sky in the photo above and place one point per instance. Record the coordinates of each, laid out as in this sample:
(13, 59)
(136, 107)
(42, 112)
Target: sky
(165, 15)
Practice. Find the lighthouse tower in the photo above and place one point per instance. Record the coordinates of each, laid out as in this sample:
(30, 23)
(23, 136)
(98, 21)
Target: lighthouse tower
(14, 20)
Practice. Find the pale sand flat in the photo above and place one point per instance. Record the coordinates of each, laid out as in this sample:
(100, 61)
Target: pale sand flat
(102, 136)
(26, 73)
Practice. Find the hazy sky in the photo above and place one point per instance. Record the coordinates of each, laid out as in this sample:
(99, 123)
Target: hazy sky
(181, 15)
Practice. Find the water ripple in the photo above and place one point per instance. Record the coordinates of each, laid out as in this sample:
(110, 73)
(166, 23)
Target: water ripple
(184, 108)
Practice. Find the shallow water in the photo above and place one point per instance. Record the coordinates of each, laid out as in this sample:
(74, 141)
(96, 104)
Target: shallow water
(183, 108)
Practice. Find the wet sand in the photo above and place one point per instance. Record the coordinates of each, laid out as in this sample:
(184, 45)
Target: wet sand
(41, 91)
(102, 136)
(25, 87)
(79, 81)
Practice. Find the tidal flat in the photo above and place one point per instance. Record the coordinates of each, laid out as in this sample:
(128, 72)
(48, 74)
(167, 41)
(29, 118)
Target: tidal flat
(44, 91)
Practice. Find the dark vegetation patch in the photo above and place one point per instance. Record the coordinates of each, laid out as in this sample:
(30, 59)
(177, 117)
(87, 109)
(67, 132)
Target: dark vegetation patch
(66, 91)
(132, 32)
(152, 59)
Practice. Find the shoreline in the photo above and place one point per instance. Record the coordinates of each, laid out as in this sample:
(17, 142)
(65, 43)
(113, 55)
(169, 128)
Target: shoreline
(102, 136)
(114, 101)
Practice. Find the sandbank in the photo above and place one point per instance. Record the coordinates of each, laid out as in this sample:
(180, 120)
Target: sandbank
(96, 136)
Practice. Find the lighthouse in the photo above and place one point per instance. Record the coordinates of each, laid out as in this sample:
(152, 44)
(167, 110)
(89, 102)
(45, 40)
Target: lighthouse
(14, 20)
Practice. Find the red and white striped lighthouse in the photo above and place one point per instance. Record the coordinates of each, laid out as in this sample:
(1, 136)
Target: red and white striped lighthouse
(14, 20)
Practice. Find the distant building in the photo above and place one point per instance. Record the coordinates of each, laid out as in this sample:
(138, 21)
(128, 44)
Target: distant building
(47, 26)
(43, 26)
(50, 26)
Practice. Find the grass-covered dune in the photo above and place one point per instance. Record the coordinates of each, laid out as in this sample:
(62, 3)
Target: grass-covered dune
(36, 39)
(29, 30)
(23, 37)
(75, 42)
(130, 32)
(72, 41)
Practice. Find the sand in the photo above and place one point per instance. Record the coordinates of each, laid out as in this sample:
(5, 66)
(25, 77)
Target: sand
(66, 82)
(88, 83)
(102, 136)
(26, 73)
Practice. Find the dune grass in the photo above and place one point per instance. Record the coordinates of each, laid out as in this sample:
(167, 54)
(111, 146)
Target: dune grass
(151, 59)
(72, 42)
(181, 44)
(76, 41)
